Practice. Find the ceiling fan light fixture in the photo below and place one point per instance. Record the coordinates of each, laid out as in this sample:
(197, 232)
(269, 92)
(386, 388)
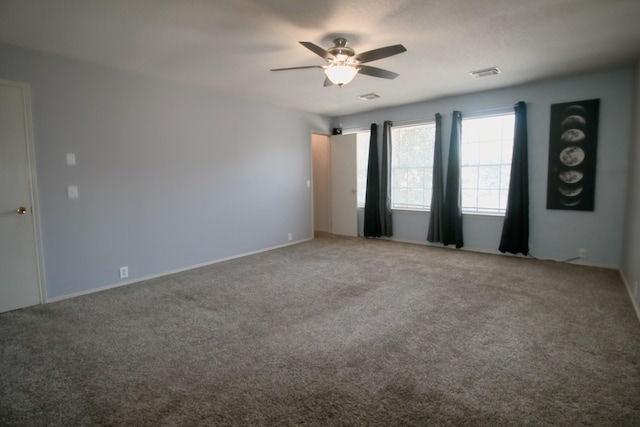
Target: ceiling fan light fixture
(340, 74)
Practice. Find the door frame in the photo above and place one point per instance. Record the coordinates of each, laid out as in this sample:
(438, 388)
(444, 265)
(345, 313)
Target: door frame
(354, 184)
(313, 188)
(33, 187)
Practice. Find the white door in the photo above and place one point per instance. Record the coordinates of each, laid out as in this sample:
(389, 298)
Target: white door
(19, 265)
(344, 181)
(321, 156)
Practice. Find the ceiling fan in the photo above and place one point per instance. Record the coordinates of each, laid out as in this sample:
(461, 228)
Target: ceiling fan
(344, 63)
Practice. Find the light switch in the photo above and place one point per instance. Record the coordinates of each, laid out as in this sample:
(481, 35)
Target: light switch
(308, 183)
(71, 159)
(72, 191)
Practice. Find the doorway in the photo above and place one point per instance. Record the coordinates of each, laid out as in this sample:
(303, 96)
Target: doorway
(334, 160)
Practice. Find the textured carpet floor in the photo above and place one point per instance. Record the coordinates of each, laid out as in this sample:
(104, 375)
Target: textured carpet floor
(335, 331)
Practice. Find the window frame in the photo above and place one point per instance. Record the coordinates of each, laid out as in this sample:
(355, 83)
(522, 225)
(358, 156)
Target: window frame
(505, 161)
(426, 206)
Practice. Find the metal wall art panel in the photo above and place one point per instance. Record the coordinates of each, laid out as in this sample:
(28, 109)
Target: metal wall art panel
(573, 143)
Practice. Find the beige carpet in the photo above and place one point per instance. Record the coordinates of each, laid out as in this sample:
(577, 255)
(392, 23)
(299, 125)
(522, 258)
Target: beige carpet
(335, 331)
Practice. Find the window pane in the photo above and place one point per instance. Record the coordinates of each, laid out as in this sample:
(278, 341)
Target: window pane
(469, 177)
(488, 200)
(427, 178)
(470, 153)
(487, 146)
(401, 197)
(399, 178)
(415, 178)
(489, 177)
(505, 176)
(412, 166)
(491, 153)
(507, 150)
(504, 194)
(470, 199)
(415, 198)
(491, 129)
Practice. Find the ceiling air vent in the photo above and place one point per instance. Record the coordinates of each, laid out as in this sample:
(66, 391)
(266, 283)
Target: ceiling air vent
(369, 96)
(485, 72)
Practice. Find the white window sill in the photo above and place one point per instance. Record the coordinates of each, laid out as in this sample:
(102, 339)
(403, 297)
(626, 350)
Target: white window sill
(484, 215)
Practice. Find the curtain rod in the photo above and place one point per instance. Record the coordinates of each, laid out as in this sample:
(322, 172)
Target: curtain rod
(395, 123)
(414, 121)
(475, 113)
(468, 114)
(506, 109)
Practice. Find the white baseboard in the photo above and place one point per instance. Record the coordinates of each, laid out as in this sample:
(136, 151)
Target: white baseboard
(497, 252)
(630, 291)
(167, 273)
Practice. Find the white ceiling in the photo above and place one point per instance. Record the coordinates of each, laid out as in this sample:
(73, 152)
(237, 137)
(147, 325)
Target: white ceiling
(230, 45)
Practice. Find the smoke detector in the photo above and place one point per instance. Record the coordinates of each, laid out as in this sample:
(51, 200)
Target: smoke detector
(485, 72)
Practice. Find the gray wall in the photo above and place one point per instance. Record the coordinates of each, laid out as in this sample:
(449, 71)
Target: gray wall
(554, 234)
(169, 175)
(631, 245)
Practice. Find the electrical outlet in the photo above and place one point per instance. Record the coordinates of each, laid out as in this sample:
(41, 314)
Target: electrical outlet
(124, 272)
(582, 253)
(290, 236)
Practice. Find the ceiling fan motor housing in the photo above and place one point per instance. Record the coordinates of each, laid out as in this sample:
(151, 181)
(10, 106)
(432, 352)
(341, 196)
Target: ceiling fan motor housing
(341, 51)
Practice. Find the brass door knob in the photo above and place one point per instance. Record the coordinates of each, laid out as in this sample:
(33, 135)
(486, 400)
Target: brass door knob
(21, 210)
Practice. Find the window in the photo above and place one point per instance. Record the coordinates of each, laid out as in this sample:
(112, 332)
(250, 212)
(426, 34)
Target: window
(487, 145)
(362, 160)
(412, 166)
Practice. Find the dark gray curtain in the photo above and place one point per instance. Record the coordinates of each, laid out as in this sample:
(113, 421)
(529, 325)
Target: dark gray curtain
(437, 187)
(515, 230)
(386, 229)
(372, 197)
(452, 211)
